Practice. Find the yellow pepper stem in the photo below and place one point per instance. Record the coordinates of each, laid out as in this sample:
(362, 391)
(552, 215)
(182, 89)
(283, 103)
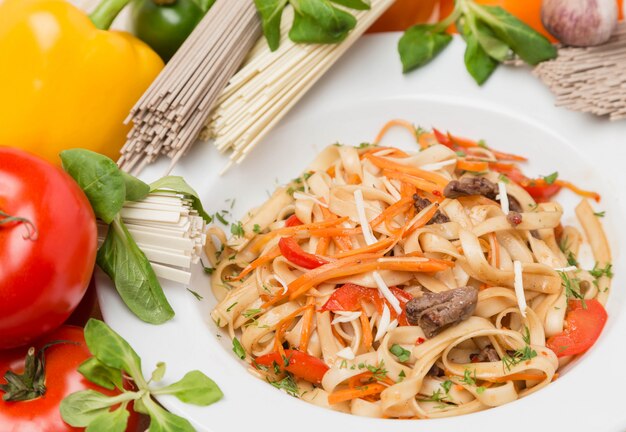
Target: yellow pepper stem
(106, 12)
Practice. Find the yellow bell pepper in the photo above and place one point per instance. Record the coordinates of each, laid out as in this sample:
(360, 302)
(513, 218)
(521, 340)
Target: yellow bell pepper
(65, 83)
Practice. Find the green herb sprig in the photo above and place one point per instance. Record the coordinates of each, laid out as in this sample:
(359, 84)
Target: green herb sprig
(492, 36)
(113, 358)
(315, 21)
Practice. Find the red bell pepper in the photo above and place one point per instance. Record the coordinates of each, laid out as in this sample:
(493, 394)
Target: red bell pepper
(292, 221)
(350, 296)
(585, 322)
(292, 251)
(300, 364)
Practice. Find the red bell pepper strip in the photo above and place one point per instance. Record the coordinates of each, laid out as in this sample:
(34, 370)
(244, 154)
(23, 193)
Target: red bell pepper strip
(585, 322)
(350, 296)
(292, 221)
(292, 251)
(300, 364)
(538, 189)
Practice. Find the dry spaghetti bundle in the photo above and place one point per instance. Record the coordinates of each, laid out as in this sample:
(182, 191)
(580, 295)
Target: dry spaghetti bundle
(590, 79)
(170, 115)
(271, 83)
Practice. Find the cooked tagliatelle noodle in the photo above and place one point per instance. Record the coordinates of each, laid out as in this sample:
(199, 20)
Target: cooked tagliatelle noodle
(411, 285)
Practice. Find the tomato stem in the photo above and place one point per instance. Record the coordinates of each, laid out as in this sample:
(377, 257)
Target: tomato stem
(31, 229)
(105, 13)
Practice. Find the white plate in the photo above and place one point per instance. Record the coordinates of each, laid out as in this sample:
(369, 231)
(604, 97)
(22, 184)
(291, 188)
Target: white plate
(513, 112)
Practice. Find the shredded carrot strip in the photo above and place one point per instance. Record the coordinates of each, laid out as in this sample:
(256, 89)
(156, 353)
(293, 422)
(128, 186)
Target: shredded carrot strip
(342, 342)
(307, 324)
(368, 339)
(335, 232)
(584, 193)
(322, 246)
(419, 183)
(342, 268)
(353, 179)
(390, 124)
(422, 220)
(263, 259)
(467, 143)
(287, 231)
(426, 139)
(359, 392)
(376, 247)
(406, 169)
(468, 165)
(496, 250)
(331, 171)
(396, 152)
(343, 243)
(522, 376)
(392, 211)
(282, 325)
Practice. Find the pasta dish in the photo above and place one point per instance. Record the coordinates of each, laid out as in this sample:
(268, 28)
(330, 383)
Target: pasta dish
(419, 285)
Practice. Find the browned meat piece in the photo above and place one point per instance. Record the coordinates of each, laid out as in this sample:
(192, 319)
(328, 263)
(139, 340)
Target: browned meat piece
(471, 186)
(434, 312)
(514, 218)
(422, 203)
(487, 354)
(468, 186)
(514, 204)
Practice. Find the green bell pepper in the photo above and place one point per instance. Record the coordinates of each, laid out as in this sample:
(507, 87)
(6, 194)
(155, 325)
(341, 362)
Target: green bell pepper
(165, 24)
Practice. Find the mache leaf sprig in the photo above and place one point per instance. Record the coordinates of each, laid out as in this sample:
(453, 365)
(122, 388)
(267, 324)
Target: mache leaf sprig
(314, 21)
(113, 358)
(492, 36)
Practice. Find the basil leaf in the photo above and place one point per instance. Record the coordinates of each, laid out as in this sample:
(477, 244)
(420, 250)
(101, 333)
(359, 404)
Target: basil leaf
(195, 388)
(478, 63)
(271, 12)
(112, 350)
(163, 421)
(354, 4)
(135, 188)
(158, 373)
(420, 44)
(81, 408)
(110, 421)
(179, 185)
(100, 179)
(318, 21)
(133, 275)
(99, 373)
(531, 46)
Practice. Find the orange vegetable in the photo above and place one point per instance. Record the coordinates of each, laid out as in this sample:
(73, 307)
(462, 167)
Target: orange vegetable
(356, 393)
(263, 259)
(393, 123)
(404, 13)
(468, 165)
(386, 164)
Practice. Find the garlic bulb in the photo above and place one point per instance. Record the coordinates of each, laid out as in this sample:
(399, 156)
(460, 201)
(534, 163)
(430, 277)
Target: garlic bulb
(580, 22)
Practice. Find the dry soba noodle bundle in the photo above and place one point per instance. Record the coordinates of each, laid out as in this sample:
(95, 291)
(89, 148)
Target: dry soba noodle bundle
(422, 285)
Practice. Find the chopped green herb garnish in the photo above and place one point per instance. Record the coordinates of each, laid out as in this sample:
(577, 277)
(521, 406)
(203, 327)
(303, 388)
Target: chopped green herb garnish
(600, 214)
(237, 229)
(402, 354)
(446, 385)
(251, 312)
(598, 272)
(503, 178)
(468, 378)
(231, 306)
(287, 384)
(572, 287)
(256, 228)
(520, 355)
(221, 219)
(344, 364)
(195, 294)
(207, 270)
(550, 179)
(571, 259)
(480, 390)
(238, 349)
(401, 375)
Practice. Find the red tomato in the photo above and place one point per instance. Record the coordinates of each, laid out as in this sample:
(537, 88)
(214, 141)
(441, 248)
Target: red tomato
(302, 365)
(62, 360)
(584, 325)
(42, 278)
(293, 253)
